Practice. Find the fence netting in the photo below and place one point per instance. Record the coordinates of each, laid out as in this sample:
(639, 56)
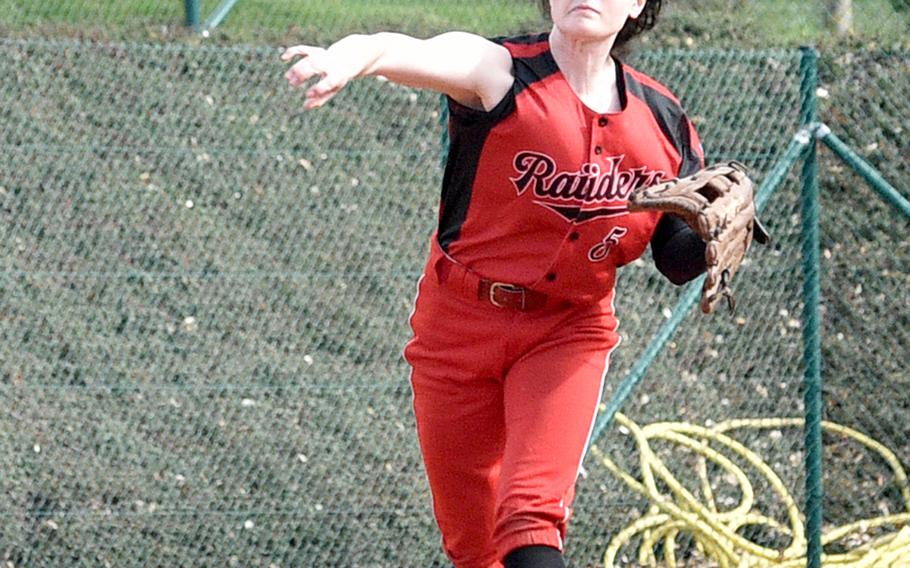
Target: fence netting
(204, 294)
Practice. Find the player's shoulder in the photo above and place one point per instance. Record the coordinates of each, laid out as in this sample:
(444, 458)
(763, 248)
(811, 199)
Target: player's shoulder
(524, 45)
(646, 87)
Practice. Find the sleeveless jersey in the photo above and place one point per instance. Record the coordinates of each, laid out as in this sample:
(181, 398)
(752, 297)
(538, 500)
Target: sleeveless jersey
(535, 190)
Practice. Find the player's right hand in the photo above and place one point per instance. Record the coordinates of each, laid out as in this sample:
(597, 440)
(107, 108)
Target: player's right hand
(473, 70)
(335, 70)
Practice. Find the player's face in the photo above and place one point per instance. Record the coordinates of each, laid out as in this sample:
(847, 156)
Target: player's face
(593, 19)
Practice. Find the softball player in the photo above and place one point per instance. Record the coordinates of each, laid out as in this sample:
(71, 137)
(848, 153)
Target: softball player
(514, 321)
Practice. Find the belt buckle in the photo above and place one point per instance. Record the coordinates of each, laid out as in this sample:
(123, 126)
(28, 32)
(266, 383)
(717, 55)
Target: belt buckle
(506, 288)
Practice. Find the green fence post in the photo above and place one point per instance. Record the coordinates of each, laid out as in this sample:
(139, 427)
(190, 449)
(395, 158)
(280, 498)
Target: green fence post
(192, 13)
(811, 331)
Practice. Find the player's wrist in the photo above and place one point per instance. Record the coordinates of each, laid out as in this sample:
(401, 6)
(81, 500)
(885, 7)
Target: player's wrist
(357, 53)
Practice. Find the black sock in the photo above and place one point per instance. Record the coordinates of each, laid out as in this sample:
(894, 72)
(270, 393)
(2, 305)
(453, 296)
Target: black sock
(534, 557)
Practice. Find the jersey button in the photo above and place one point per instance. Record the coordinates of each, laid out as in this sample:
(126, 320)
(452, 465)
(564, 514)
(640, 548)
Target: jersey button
(551, 277)
(598, 150)
(602, 121)
(574, 236)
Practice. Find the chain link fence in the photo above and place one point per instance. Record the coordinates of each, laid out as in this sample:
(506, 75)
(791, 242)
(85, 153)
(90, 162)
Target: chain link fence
(204, 295)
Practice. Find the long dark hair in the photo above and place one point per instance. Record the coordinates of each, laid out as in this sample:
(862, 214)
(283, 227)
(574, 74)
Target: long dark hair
(644, 22)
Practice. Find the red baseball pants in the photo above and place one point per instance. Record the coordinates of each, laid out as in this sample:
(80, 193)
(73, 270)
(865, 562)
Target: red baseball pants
(505, 402)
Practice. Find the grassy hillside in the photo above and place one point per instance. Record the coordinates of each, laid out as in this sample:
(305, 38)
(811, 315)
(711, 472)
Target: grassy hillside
(686, 23)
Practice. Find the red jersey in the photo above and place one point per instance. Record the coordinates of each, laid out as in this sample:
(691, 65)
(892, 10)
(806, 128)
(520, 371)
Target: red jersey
(535, 190)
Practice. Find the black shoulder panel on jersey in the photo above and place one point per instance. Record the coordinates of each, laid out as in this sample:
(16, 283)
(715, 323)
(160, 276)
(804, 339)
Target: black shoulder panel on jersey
(466, 142)
(468, 133)
(672, 121)
(529, 70)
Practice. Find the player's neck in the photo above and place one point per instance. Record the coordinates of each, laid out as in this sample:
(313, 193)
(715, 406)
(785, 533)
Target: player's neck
(589, 69)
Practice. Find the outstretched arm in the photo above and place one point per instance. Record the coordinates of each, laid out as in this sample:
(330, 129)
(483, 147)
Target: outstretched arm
(472, 70)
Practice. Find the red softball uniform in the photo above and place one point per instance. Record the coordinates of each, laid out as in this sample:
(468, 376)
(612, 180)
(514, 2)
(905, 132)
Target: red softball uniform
(514, 324)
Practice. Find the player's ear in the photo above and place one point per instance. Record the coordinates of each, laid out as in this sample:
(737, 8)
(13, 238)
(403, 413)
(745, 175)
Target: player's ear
(637, 7)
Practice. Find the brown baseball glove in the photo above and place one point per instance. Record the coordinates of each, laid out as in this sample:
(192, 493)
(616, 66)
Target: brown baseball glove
(717, 203)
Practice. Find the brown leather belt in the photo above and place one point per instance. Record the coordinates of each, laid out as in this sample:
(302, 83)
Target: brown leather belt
(500, 294)
(509, 296)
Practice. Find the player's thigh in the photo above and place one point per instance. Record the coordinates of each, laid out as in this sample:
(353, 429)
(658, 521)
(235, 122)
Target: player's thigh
(460, 425)
(456, 360)
(456, 357)
(550, 399)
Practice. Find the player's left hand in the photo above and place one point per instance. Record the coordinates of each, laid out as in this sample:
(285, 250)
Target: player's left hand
(717, 203)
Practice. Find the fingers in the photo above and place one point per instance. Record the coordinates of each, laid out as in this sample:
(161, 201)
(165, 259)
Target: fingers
(299, 51)
(306, 68)
(314, 63)
(321, 92)
(301, 72)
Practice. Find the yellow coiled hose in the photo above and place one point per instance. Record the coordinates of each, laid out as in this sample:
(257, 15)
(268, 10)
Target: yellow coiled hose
(715, 532)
